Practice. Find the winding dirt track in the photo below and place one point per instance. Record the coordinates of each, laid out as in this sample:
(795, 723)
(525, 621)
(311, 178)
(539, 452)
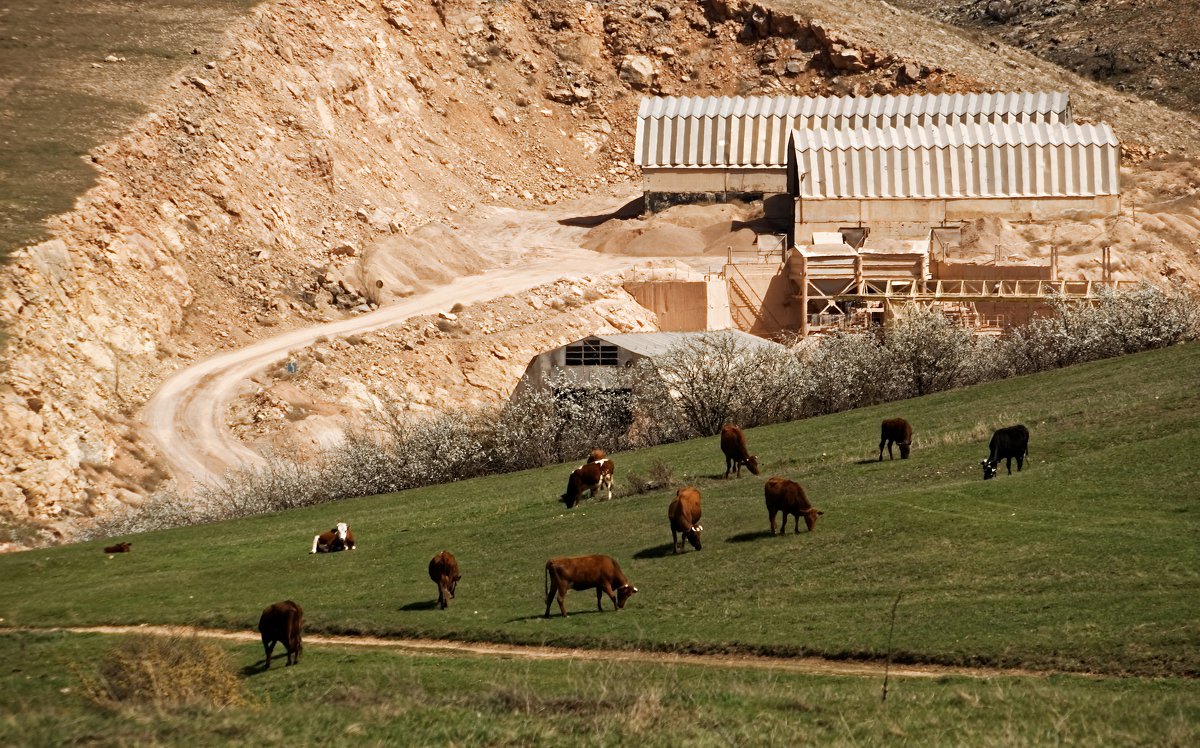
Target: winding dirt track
(437, 647)
(186, 417)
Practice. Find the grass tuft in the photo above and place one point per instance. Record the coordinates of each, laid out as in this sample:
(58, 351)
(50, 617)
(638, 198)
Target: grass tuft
(165, 673)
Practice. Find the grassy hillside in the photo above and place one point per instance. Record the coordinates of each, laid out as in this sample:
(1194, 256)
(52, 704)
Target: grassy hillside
(1088, 560)
(387, 698)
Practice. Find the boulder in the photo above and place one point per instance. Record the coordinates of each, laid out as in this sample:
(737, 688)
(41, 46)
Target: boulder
(638, 71)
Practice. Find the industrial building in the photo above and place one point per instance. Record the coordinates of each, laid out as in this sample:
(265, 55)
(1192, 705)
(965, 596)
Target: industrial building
(605, 361)
(866, 194)
(716, 149)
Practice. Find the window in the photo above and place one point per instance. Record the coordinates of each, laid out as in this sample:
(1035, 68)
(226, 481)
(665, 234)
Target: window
(592, 352)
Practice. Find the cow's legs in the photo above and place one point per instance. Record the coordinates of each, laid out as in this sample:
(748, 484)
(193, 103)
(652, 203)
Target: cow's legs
(1008, 464)
(772, 515)
(268, 646)
(1020, 462)
(607, 589)
(796, 524)
(674, 541)
(728, 466)
(881, 443)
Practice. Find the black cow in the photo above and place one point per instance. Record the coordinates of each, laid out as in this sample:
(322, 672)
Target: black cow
(895, 431)
(1006, 444)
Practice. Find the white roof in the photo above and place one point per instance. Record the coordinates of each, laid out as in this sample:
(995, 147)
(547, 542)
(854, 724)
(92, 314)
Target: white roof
(657, 343)
(965, 160)
(698, 132)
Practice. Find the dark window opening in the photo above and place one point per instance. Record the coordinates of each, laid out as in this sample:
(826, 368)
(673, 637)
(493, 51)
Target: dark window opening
(592, 353)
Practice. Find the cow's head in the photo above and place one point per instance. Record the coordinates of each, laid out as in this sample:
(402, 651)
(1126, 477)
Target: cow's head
(624, 592)
(752, 463)
(904, 447)
(693, 536)
(810, 518)
(341, 529)
(989, 468)
(454, 583)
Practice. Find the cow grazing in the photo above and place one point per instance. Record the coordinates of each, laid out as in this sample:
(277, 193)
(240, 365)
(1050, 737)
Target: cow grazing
(591, 476)
(895, 431)
(340, 538)
(787, 496)
(123, 547)
(282, 622)
(602, 573)
(1007, 443)
(443, 570)
(684, 515)
(733, 444)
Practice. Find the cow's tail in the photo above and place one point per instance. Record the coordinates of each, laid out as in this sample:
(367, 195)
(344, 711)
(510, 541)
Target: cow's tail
(547, 592)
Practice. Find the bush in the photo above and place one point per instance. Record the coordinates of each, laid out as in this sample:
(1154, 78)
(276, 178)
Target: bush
(690, 391)
(716, 379)
(165, 672)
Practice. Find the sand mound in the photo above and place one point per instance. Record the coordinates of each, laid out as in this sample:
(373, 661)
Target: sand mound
(402, 265)
(684, 230)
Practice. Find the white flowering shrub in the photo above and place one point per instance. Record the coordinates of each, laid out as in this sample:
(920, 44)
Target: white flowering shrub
(715, 379)
(690, 391)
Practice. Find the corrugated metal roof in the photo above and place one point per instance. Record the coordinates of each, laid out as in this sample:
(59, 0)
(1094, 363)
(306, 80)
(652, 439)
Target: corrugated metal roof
(652, 344)
(683, 131)
(978, 160)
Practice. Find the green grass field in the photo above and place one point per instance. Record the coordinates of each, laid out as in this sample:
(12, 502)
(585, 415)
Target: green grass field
(385, 698)
(1088, 561)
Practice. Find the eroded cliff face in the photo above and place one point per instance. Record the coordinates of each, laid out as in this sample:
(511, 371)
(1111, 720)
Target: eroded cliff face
(250, 197)
(299, 175)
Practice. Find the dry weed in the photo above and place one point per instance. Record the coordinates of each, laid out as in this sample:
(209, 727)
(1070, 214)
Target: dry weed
(165, 672)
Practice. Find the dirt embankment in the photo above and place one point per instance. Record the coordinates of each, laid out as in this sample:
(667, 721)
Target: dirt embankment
(279, 179)
(326, 160)
(1123, 44)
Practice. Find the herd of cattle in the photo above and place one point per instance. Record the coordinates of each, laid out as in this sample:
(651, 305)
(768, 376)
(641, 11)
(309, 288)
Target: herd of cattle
(283, 622)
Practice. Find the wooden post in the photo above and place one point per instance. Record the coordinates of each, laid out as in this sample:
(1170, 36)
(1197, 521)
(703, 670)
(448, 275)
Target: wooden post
(803, 296)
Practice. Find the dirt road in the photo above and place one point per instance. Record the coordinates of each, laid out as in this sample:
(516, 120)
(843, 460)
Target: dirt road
(186, 417)
(435, 647)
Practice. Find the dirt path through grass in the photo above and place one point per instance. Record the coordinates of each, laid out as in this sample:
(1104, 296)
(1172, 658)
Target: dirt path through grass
(434, 647)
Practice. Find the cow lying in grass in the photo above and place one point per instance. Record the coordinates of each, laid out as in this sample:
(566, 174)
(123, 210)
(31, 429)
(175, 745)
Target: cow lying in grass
(340, 538)
(122, 547)
(282, 622)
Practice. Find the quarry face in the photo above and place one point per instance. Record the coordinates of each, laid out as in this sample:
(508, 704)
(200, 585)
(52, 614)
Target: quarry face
(332, 160)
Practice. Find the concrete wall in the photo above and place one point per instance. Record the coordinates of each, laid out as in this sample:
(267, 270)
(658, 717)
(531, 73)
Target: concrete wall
(990, 271)
(765, 180)
(914, 218)
(684, 306)
(770, 294)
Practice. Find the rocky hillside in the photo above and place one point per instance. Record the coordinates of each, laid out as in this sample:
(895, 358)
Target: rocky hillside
(324, 158)
(1150, 48)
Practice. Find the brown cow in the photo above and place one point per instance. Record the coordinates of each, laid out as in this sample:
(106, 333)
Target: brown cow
(684, 515)
(122, 547)
(340, 538)
(787, 496)
(282, 622)
(591, 476)
(733, 444)
(584, 573)
(898, 431)
(443, 570)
